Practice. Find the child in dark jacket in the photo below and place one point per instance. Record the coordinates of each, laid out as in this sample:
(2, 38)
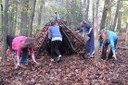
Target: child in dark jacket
(89, 31)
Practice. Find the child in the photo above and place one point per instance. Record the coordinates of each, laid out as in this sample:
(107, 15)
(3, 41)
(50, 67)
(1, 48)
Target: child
(90, 33)
(56, 39)
(108, 38)
(22, 45)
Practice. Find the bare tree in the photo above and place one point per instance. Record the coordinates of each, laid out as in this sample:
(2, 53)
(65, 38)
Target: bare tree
(103, 20)
(24, 17)
(116, 15)
(1, 5)
(40, 11)
(96, 30)
(32, 17)
(5, 27)
(127, 34)
(87, 10)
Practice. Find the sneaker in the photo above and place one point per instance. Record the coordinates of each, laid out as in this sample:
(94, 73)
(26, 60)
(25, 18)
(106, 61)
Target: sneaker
(52, 60)
(59, 58)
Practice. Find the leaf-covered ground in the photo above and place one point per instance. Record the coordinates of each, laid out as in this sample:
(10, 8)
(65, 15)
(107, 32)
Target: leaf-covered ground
(71, 71)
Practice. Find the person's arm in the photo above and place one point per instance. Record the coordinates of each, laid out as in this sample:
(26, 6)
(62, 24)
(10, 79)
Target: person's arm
(49, 33)
(112, 46)
(33, 58)
(17, 56)
(89, 31)
(18, 61)
(83, 32)
(33, 55)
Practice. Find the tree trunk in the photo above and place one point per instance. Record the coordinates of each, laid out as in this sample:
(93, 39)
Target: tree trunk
(32, 17)
(24, 17)
(119, 17)
(84, 12)
(40, 11)
(97, 6)
(126, 34)
(1, 16)
(11, 18)
(119, 22)
(15, 14)
(96, 23)
(87, 10)
(93, 12)
(102, 26)
(5, 28)
(116, 16)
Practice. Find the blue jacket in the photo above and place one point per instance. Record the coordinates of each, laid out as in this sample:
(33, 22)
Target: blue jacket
(54, 31)
(111, 38)
(87, 28)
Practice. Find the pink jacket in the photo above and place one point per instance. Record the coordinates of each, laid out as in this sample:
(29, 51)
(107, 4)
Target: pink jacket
(17, 42)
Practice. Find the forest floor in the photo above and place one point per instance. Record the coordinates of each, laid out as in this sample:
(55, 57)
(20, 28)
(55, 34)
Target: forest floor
(71, 71)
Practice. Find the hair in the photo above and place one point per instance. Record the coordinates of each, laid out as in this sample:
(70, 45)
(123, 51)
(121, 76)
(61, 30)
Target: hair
(29, 42)
(82, 23)
(102, 31)
(53, 22)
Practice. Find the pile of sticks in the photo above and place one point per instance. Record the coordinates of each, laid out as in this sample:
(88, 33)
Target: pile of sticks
(72, 40)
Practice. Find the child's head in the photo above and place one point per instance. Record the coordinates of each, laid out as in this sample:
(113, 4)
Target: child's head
(55, 11)
(28, 43)
(103, 34)
(53, 22)
(82, 23)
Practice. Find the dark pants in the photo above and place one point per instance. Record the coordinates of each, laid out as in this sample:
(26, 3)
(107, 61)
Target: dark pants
(90, 43)
(24, 56)
(55, 46)
(104, 50)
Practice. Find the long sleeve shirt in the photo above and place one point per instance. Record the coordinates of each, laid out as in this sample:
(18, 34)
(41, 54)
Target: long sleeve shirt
(111, 38)
(86, 29)
(17, 42)
(54, 32)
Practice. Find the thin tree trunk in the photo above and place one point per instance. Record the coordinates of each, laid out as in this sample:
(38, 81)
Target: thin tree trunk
(32, 17)
(1, 16)
(108, 20)
(119, 22)
(119, 17)
(40, 11)
(97, 7)
(96, 23)
(24, 17)
(106, 4)
(5, 27)
(116, 15)
(15, 19)
(87, 10)
(126, 34)
(93, 13)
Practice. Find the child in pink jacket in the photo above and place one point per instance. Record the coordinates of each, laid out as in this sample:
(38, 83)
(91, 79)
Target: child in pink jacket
(22, 46)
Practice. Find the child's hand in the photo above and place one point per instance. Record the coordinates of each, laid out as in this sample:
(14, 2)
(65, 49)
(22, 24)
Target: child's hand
(37, 63)
(115, 57)
(17, 65)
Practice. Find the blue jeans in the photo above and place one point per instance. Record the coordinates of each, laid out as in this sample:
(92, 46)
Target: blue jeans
(90, 44)
(24, 56)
